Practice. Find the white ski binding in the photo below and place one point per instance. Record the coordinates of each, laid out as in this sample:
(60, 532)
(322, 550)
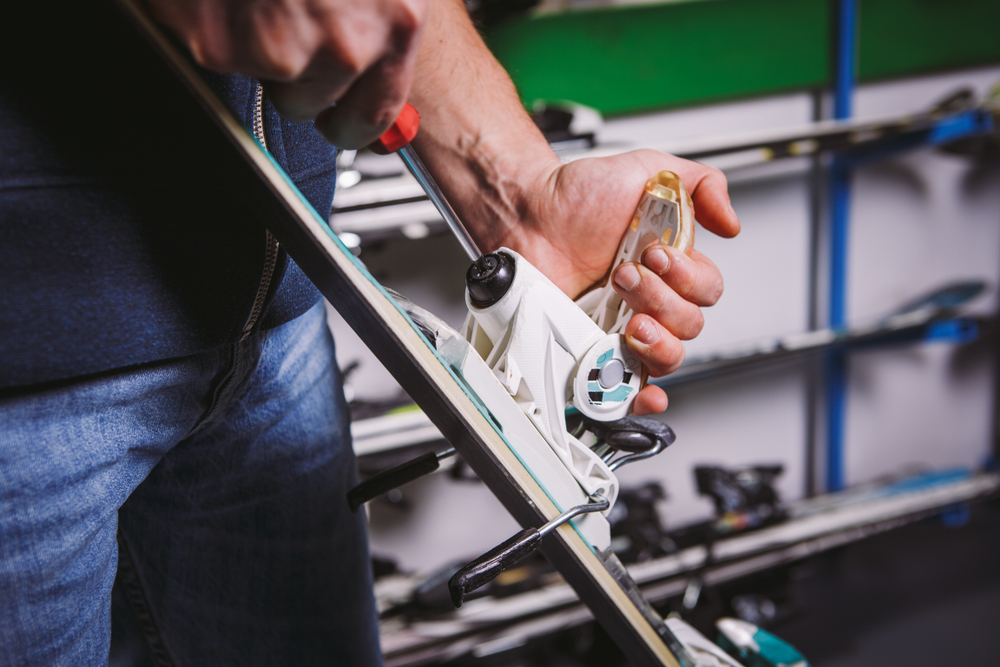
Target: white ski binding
(558, 378)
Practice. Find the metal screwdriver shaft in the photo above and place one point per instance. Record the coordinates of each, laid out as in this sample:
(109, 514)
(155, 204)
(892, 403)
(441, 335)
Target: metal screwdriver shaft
(397, 139)
(426, 181)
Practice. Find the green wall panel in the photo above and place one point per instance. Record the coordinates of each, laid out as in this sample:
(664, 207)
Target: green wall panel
(626, 59)
(631, 58)
(900, 37)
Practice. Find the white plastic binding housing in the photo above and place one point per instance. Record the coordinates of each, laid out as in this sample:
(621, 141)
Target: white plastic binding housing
(533, 340)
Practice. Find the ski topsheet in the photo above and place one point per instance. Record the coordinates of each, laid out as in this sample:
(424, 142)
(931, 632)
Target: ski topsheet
(599, 579)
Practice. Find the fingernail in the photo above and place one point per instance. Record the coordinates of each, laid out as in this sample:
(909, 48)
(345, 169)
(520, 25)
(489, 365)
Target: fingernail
(627, 277)
(646, 333)
(656, 260)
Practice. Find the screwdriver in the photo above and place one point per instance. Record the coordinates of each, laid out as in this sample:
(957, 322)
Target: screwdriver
(397, 140)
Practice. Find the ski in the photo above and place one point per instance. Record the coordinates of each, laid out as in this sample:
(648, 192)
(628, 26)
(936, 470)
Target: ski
(596, 576)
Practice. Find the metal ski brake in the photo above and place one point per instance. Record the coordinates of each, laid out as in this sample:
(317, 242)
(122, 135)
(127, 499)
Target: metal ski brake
(641, 437)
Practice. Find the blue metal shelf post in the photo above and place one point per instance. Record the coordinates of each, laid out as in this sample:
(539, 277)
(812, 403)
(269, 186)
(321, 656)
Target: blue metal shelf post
(835, 366)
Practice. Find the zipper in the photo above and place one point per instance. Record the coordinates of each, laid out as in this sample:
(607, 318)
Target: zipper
(271, 254)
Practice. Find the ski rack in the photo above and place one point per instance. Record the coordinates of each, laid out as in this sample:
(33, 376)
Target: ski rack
(814, 526)
(600, 582)
(958, 330)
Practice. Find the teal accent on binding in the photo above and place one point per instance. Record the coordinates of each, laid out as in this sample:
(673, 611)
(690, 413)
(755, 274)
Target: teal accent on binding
(618, 395)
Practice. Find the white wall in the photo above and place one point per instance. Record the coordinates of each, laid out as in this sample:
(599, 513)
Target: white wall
(917, 221)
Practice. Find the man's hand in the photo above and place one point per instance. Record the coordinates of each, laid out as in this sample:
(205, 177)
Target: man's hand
(310, 55)
(505, 183)
(571, 228)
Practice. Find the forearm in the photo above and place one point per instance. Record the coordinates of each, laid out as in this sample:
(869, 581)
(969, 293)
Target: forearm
(482, 147)
(510, 190)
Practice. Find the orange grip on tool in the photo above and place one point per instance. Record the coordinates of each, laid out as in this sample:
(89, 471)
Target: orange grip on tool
(400, 133)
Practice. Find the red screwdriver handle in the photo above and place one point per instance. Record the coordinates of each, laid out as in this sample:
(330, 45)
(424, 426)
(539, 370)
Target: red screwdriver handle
(400, 133)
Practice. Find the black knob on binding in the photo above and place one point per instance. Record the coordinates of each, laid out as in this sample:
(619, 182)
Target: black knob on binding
(489, 279)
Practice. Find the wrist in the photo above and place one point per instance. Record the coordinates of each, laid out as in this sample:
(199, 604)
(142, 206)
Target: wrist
(484, 151)
(494, 184)
(513, 182)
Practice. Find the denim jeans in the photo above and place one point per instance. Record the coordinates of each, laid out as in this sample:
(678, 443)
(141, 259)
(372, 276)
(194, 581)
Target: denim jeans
(213, 487)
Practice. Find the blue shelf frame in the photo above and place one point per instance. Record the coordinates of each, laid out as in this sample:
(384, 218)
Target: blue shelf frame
(835, 363)
(955, 126)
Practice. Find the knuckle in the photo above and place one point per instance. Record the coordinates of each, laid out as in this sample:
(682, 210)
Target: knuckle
(715, 293)
(669, 357)
(281, 49)
(283, 63)
(685, 283)
(693, 325)
(352, 57)
(678, 359)
(353, 62)
(209, 55)
(660, 310)
(403, 28)
(716, 176)
(276, 61)
(409, 16)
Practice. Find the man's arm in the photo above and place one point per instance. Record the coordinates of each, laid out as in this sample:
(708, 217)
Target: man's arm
(508, 186)
(492, 162)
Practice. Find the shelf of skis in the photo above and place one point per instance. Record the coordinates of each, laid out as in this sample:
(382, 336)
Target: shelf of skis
(679, 571)
(381, 429)
(377, 199)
